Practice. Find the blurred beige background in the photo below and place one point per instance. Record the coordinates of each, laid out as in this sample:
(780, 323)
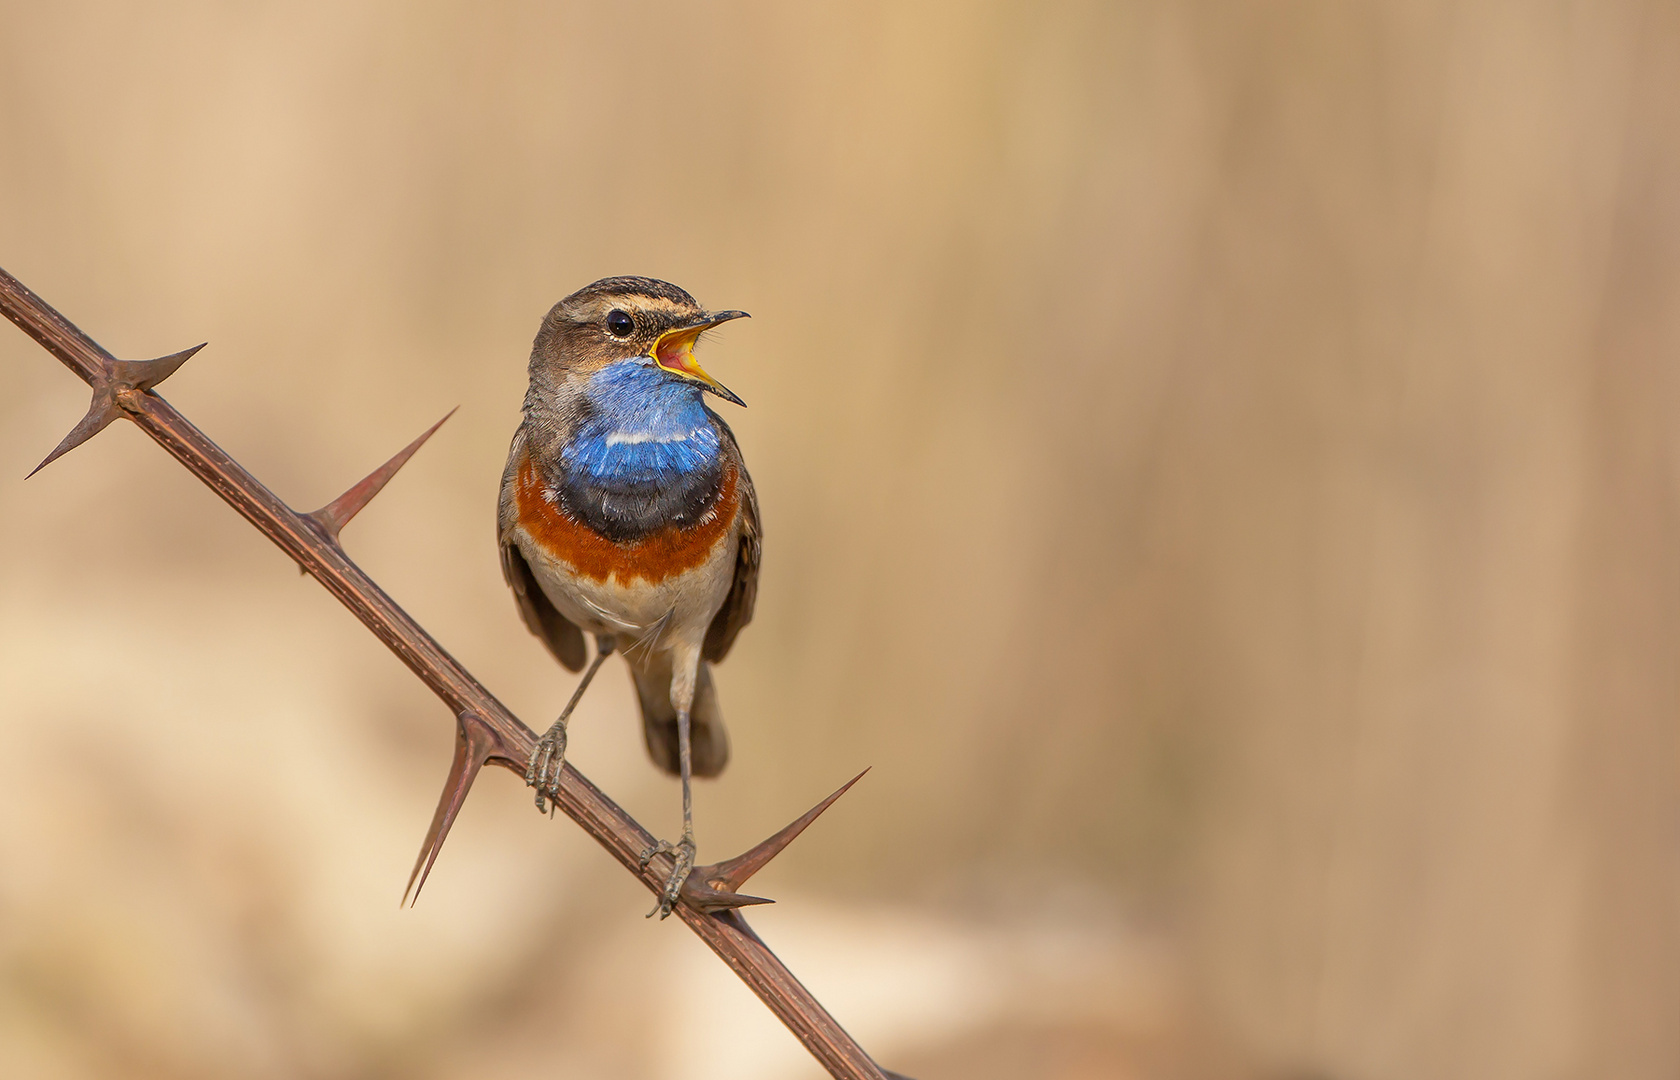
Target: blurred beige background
(1218, 464)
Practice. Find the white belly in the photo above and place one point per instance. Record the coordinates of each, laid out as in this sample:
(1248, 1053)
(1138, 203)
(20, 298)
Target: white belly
(676, 610)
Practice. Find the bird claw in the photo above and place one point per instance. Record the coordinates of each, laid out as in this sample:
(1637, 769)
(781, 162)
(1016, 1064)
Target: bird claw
(664, 847)
(543, 772)
(682, 855)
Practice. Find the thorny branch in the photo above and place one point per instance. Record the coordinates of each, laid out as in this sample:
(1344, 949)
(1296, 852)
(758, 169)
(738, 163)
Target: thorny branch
(487, 732)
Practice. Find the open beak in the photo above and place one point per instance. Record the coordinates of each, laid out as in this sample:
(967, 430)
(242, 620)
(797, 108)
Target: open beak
(674, 351)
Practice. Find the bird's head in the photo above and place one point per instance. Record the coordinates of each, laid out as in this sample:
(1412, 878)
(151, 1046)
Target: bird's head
(626, 318)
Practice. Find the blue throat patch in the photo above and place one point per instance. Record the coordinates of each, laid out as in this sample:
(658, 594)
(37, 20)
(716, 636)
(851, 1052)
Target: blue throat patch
(644, 426)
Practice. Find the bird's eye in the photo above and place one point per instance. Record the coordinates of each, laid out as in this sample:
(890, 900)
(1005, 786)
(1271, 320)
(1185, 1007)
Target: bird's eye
(619, 324)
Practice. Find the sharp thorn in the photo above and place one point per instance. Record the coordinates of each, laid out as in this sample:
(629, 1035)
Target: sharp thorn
(335, 515)
(711, 900)
(120, 375)
(712, 888)
(100, 413)
(475, 743)
(145, 374)
(734, 872)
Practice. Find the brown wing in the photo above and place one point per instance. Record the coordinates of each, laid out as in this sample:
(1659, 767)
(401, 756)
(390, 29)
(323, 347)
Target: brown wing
(560, 634)
(737, 610)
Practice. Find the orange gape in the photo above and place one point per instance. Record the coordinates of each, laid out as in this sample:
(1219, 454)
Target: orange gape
(653, 558)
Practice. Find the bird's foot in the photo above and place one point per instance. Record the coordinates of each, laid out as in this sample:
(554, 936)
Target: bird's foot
(682, 853)
(543, 773)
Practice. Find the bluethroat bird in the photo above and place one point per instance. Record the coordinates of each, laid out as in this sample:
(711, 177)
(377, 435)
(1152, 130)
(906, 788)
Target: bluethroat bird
(626, 512)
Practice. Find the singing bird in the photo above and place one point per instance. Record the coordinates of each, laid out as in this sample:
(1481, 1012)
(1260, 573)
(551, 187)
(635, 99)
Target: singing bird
(626, 512)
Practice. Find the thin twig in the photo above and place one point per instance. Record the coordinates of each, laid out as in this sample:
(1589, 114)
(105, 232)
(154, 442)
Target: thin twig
(500, 736)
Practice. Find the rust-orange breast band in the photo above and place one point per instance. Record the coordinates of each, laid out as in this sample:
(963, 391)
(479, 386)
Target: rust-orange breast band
(652, 558)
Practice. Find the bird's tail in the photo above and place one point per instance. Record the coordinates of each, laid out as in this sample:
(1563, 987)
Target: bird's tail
(708, 740)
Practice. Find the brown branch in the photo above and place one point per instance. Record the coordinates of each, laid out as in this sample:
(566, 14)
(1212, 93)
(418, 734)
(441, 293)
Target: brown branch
(488, 731)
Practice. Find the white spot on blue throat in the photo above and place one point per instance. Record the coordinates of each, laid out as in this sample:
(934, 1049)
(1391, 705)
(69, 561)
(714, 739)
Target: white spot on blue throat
(645, 425)
(622, 438)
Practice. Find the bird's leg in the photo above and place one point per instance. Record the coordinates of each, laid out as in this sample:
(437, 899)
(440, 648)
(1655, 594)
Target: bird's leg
(685, 672)
(683, 850)
(549, 757)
